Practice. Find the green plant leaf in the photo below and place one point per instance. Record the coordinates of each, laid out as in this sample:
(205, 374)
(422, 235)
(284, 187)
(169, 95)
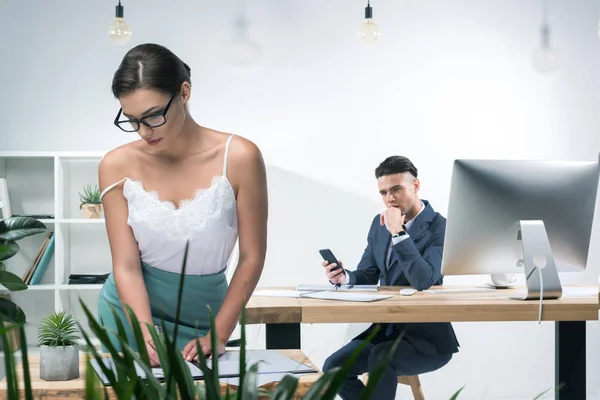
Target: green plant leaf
(316, 389)
(250, 384)
(92, 382)
(455, 395)
(286, 388)
(11, 281)
(8, 249)
(26, 373)
(15, 228)
(375, 377)
(12, 384)
(58, 329)
(242, 353)
(2, 266)
(11, 312)
(339, 378)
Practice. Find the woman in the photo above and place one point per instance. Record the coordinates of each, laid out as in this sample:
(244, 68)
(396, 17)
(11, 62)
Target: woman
(181, 182)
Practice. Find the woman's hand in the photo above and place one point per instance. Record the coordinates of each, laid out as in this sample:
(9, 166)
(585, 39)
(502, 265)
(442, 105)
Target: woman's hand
(152, 354)
(190, 351)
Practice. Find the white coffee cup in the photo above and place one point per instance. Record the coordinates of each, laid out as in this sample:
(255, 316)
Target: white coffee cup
(503, 279)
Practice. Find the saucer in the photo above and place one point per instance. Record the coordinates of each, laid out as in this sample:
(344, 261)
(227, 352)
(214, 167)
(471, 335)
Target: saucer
(490, 284)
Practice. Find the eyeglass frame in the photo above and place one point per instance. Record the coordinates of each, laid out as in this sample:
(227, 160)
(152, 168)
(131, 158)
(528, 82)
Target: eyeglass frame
(139, 121)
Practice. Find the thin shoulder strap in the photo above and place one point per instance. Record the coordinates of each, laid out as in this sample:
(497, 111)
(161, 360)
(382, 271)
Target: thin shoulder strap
(110, 187)
(225, 157)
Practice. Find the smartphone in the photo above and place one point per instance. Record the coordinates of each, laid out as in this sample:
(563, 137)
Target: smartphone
(330, 258)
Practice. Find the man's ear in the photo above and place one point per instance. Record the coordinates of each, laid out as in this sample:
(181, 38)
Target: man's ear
(417, 184)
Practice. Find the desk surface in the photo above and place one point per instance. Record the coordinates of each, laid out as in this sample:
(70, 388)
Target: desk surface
(75, 388)
(579, 303)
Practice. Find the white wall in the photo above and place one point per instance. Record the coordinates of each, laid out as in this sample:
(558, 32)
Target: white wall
(448, 79)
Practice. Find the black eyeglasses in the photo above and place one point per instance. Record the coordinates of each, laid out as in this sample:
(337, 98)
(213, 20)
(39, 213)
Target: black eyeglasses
(151, 121)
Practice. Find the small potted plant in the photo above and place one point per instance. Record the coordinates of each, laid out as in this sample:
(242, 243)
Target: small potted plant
(91, 205)
(59, 351)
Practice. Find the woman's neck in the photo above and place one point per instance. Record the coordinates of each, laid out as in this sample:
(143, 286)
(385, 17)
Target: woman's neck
(186, 143)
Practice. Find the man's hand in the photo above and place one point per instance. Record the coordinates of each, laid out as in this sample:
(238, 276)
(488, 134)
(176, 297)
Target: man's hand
(190, 351)
(393, 219)
(337, 276)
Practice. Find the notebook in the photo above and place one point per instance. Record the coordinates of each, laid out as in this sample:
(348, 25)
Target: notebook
(271, 362)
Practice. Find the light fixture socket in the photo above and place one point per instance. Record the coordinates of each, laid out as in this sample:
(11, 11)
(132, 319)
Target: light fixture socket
(368, 11)
(119, 10)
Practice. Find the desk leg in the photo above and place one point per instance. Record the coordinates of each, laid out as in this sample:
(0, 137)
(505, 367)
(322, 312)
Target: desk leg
(570, 360)
(283, 336)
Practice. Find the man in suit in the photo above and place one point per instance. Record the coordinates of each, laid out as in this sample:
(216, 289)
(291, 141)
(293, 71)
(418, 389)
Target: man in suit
(404, 248)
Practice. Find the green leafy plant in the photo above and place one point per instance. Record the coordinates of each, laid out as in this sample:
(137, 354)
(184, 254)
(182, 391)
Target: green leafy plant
(11, 230)
(58, 329)
(90, 195)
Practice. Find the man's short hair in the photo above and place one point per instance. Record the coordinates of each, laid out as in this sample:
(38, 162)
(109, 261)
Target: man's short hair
(395, 165)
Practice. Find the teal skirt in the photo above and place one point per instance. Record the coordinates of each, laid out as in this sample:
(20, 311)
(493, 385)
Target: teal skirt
(199, 292)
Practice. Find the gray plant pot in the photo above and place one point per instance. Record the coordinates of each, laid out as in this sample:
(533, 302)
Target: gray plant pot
(59, 363)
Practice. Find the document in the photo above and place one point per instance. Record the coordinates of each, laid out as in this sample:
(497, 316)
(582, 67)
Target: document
(355, 288)
(346, 296)
(278, 293)
(324, 295)
(270, 362)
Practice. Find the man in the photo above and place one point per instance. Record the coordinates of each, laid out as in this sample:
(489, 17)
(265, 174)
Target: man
(404, 248)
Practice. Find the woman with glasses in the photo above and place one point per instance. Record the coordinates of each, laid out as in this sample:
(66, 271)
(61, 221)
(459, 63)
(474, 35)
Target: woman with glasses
(180, 183)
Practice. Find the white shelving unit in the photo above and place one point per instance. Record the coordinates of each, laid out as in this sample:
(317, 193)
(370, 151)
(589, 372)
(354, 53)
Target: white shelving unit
(49, 183)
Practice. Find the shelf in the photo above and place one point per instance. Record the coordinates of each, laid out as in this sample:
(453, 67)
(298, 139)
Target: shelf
(45, 286)
(72, 221)
(80, 221)
(49, 183)
(95, 286)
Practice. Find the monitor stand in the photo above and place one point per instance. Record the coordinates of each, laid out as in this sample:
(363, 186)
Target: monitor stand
(537, 256)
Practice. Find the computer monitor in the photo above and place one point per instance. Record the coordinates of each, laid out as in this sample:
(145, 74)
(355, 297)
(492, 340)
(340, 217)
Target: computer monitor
(500, 210)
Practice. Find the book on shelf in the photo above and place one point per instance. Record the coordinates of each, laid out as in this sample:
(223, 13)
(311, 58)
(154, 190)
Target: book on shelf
(34, 273)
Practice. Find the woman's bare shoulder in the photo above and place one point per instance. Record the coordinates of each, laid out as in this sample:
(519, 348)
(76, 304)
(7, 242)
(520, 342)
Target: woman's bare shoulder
(119, 163)
(243, 151)
(120, 159)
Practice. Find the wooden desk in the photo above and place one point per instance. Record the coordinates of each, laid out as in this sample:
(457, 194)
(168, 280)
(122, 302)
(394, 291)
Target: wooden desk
(283, 317)
(75, 388)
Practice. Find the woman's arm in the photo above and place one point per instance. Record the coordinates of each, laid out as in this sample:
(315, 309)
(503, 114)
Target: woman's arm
(124, 249)
(247, 172)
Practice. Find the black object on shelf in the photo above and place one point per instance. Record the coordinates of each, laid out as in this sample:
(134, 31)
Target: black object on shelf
(36, 216)
(87, 279)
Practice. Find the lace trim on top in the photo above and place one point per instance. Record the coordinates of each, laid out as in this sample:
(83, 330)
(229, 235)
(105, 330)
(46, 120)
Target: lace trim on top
(192, 215)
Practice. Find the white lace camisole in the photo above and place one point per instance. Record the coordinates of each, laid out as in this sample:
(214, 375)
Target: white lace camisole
(208, 221)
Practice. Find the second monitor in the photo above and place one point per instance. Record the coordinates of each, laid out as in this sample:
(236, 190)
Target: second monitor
(520, 216)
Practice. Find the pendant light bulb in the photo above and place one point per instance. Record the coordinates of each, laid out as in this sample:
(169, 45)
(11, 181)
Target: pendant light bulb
(543, 59)
(242, 50)
(119, 32)
(369, 32)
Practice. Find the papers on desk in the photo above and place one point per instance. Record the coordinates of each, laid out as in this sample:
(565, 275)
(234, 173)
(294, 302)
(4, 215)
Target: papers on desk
(343, 288)
(278, 293)
(323, 295)
(271, 362)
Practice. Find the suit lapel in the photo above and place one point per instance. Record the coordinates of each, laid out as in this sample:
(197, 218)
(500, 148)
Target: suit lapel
(417, 228)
